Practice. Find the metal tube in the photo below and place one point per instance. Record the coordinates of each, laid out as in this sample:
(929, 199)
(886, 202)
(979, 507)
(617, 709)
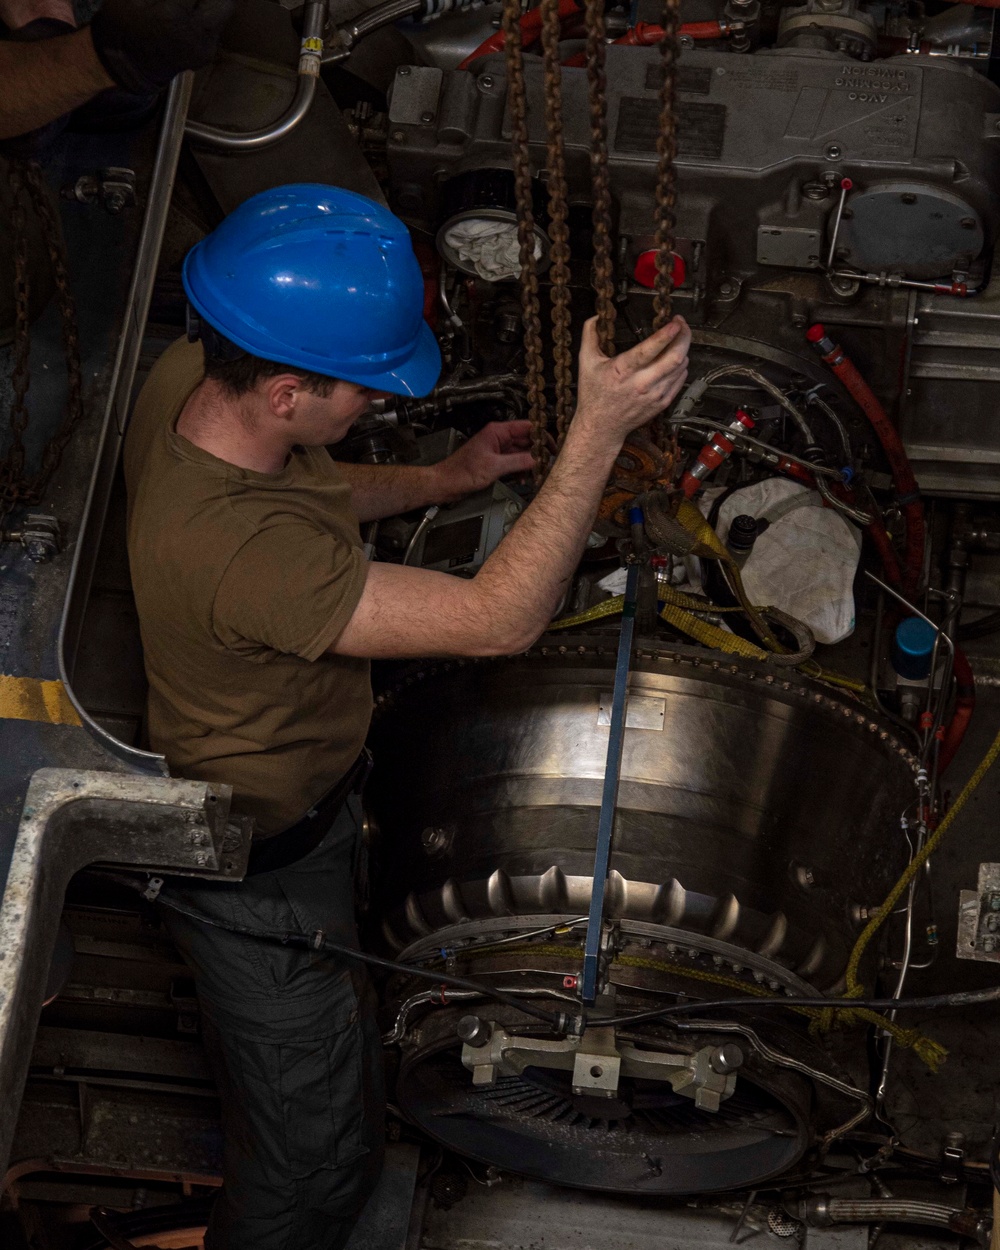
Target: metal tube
(310, 55)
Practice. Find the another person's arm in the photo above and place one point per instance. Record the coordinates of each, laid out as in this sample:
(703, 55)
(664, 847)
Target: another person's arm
(417, 612)
(139, 45)
(42, 81)
(498, 449)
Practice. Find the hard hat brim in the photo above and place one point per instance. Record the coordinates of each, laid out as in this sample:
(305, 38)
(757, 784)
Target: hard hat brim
(415, 377)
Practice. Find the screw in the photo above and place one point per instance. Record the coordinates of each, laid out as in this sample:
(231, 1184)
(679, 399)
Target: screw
(404, 70)
(726, 288)
(486, 81)
(834, 152)
(427, 117)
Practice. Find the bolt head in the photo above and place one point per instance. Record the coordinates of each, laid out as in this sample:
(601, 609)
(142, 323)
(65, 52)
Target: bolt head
(427, 117)
(834, 152)
(727, 1058)
(486, 82)
(473, 1031)
(404, 71)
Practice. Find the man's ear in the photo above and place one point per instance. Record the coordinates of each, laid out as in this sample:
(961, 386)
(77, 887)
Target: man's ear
(281, 393)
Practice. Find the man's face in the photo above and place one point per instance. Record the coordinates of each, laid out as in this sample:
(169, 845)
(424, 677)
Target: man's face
(322, 420)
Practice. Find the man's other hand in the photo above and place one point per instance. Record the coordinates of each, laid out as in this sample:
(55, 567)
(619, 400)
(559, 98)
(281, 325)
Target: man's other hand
(499, 448)
(617, 394)
(143, 43)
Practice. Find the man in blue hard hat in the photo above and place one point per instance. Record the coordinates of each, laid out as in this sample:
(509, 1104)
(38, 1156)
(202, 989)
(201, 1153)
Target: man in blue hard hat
(259, 615)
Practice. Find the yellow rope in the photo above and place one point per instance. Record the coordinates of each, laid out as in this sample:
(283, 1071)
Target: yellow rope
(854, 986)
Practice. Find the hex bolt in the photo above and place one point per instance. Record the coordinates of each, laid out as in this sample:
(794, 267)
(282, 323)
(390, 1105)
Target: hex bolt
(434, 841)
(473, 1031)
(726, 1058)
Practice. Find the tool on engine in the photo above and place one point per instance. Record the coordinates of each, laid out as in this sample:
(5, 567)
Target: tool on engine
(609, 792)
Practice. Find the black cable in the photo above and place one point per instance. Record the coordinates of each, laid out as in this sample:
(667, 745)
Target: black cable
(967, 998)
(986, 625)
(318, 941)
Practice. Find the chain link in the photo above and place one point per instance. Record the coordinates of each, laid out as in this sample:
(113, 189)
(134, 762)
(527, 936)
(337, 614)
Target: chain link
(666, 184)
(559, 272)
(28, 188)
(597, 84)
(530, 315)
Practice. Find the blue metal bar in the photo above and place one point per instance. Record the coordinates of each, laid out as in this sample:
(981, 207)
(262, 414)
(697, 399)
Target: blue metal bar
(609, 795)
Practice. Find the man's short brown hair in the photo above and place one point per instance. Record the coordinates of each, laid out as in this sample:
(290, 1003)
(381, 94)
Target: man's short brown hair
(240, 376)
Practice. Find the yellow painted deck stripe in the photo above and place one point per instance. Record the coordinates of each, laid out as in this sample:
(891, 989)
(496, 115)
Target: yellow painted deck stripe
(27, 698)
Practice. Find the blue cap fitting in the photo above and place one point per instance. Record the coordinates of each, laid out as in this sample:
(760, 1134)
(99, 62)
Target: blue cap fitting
(322, 279)
(847, 473)
(912, 648)
(635, 516)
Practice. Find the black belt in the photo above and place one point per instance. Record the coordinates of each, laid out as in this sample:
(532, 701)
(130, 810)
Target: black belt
(295, 842)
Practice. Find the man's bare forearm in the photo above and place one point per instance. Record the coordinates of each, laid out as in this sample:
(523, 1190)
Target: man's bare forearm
(521, 584)
(381, 490)
(42, 81)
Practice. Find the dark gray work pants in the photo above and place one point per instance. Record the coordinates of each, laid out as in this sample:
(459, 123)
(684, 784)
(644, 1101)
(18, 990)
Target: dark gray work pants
(293, 1043)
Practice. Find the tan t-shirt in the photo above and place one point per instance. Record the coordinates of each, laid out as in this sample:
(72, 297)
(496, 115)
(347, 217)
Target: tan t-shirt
(242, 581)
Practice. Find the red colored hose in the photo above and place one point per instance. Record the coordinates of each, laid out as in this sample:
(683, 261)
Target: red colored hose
(965, 705)
(906, 483)
(531, 28)
(645, 34)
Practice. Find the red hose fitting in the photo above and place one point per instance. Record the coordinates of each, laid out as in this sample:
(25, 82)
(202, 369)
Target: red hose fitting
(531, 28)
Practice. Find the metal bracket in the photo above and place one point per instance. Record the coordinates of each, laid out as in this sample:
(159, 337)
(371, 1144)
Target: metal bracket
(979, 918)
(76, 817)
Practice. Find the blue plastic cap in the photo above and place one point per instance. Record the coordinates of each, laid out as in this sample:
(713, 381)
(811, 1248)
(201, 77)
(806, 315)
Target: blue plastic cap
(322, 279)
(913, 648)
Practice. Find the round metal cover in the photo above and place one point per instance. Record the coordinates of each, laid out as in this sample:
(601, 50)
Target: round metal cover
(912, 229)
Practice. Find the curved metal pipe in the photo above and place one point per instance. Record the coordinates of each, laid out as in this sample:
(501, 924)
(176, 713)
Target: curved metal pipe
(310, 57)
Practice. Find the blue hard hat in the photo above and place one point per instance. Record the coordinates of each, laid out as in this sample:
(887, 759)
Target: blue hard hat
(318, 278)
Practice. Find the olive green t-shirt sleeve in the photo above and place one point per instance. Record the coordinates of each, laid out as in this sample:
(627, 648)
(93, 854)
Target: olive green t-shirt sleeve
(290, 588)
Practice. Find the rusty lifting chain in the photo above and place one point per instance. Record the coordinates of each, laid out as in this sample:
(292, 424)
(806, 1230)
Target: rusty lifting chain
(559, 273)
(642, 464)
(530, 315)
(28, 188)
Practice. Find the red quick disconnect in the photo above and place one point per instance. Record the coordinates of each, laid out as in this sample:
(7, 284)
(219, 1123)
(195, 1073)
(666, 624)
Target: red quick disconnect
(717, 450)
